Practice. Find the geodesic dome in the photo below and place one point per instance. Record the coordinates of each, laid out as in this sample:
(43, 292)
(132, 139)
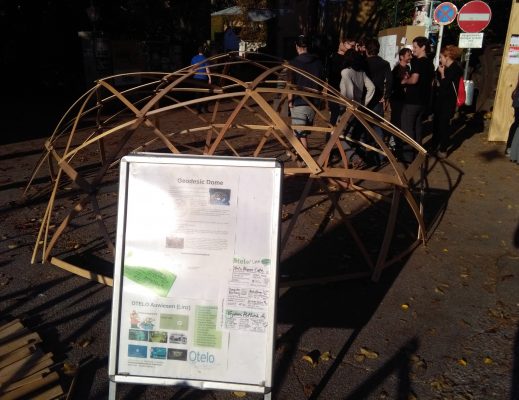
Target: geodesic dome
(156, 112)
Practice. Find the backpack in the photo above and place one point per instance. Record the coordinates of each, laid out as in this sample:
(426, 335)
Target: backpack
(461, 95)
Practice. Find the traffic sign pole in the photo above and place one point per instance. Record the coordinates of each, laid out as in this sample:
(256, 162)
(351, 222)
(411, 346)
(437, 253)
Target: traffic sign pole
(443, 15)
(438, 48)
(473, 17)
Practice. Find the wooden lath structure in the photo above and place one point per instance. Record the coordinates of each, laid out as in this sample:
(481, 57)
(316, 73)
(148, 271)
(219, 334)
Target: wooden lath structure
(248, 98)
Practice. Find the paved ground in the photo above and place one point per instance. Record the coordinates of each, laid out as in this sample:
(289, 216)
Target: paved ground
(443, 324)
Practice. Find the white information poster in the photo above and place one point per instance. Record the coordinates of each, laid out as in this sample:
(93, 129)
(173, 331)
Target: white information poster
(196, 271)
(389, 49)
(513, 50)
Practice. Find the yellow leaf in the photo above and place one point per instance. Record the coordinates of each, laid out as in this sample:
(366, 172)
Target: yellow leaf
(359, 358)
(462, 362)
(239, 394)
(69, 369)
(308, 359)
(405, 306)
(439, 290)
(484, 236)
(488, 361)
(326, 356)
(445, 250)
(368, 353)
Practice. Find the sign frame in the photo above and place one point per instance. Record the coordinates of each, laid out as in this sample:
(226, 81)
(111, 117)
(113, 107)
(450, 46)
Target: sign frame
(136, 171)
(451, 7)
(466, 17)
(471, 40)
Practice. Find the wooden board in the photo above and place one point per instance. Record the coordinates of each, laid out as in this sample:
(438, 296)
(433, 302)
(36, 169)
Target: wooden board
(503, 113)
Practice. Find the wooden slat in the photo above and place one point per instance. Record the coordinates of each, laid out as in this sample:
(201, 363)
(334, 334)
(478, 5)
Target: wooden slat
(31, 338)
(82, 272)
(23, 392)
(16, 355)
(12, 331)
(5, 325)
(25, 367)
(25, 381)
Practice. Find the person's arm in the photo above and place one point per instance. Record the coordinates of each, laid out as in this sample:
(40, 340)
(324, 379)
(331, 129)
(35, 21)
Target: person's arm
(388, 85)
(370, 89)
(346, 89)
(208, 74)
(411, 80)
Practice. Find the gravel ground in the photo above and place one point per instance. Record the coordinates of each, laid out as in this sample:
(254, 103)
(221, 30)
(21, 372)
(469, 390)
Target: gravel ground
(441, 324)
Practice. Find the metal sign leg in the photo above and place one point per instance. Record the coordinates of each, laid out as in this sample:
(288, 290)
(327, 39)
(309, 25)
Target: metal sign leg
(112, 388)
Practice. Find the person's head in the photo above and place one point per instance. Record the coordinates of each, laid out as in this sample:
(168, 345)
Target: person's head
(201, 49)
(361, 46)
(372, 47)
(355, 60)
(404, 56)
(421, 46)
(449, 54)
(346, 43)
(301, 44)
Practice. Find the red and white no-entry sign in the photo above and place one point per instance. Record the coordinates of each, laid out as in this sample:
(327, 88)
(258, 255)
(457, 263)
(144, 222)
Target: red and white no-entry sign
(474, 16)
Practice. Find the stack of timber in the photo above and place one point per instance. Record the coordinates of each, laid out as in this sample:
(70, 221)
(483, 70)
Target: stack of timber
(26, 371)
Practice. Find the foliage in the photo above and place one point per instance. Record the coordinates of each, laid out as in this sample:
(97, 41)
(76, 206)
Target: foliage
(252, 31)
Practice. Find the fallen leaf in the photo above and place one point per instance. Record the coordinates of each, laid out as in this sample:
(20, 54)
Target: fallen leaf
(308, 389)
(445, 250)
(487, 361)
(368, 353)
(239, 394)
(326, 356)
(439, 290)
(312, 357)
(463, 362)
(69, 368)
(405, 306)
(12, 246)
(84, 342)
(359, 358)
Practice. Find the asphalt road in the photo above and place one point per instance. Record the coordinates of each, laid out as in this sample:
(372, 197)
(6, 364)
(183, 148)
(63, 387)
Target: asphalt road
(442, 324)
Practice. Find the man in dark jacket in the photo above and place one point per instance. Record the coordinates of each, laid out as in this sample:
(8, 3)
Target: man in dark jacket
(301, 111)
(379, 72)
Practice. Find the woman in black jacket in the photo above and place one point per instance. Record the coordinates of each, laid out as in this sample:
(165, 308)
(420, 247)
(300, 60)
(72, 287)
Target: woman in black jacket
(448, 76)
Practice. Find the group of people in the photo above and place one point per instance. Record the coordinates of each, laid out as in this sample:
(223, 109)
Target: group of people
(408, 89)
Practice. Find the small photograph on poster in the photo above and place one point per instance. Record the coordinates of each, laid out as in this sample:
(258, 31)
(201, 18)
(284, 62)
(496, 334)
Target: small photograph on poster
(177, 338)
(158, 353)
(142, 321)
(174, 242)
(159, 281)
(138, 335)
(158, 337)
(221, 197)
(174, 321)
(137, 351)
(513, 51)
(177, 354)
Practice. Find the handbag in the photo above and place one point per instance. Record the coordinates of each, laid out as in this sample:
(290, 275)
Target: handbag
(461, 95)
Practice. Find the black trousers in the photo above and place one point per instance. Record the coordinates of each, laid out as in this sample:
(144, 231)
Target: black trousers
(442, 127)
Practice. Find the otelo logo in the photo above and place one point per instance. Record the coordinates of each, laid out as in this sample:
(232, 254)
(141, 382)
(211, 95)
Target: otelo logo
(201, 357)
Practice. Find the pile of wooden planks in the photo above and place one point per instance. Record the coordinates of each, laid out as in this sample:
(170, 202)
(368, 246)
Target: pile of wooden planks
(26, 371)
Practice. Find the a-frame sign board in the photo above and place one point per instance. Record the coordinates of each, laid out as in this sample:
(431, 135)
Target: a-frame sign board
(195, 280)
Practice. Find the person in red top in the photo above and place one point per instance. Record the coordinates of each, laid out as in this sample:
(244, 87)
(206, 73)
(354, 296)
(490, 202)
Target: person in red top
(448, 76)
